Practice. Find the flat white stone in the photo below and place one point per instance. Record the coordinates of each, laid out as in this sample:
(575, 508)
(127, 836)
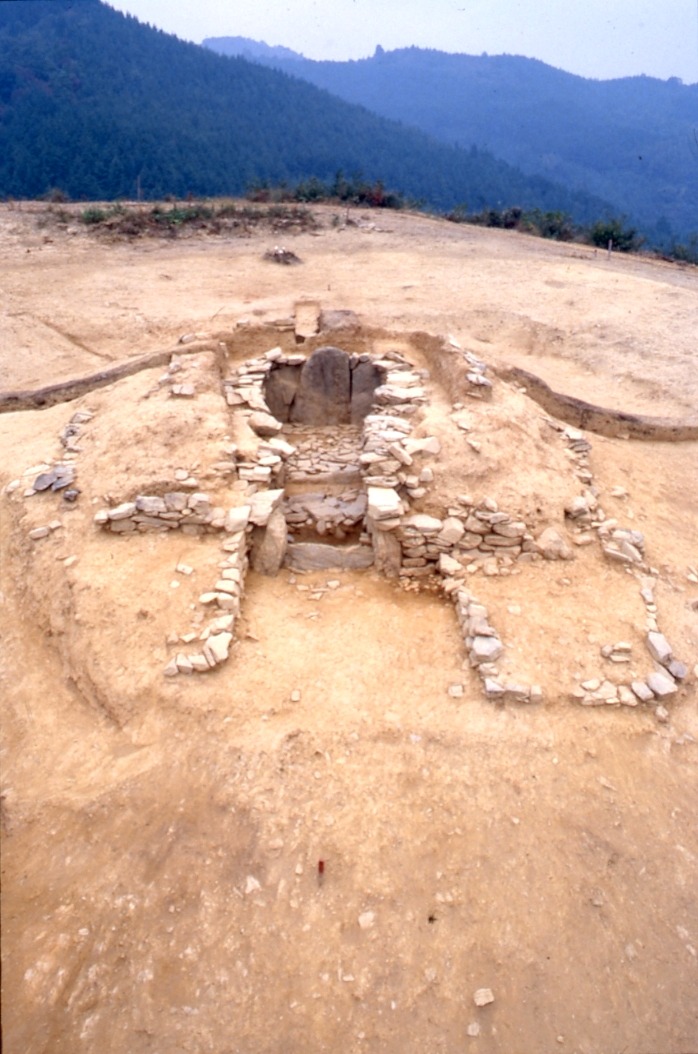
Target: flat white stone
(483, 996)
(199, 663)
(429, 445)
(217, 647)
(449, 567)
(123, 511)
(228, 602)
(227, 585)
(423, 523)
(627, 696)
(171, 669)
(183, 664)
(282, 447)
(264, 424)
(384, 503)
(237, 519)
(452, 531)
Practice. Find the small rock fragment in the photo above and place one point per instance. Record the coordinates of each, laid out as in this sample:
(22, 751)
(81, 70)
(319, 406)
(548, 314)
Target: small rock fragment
(659, 648)
(553, 546)
(678, 670)
(183, 664)
(662, 684)
(483, 996)
(642, 691)
(171, 670)
(485, 649)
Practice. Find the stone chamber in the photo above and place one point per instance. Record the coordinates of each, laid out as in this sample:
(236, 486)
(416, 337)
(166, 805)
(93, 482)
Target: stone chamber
(335, 465)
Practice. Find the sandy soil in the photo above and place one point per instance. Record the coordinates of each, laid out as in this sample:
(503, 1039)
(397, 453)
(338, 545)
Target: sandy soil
(161, 840)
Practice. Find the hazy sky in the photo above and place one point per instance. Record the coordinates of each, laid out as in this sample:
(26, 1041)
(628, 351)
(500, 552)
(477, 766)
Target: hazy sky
(595, 38)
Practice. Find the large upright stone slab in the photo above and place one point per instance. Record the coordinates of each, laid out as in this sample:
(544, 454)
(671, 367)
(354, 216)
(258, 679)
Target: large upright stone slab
(387, 552)
(312, 556)
(280, 390)
(365, 378)
(324, 389)
(269, 545)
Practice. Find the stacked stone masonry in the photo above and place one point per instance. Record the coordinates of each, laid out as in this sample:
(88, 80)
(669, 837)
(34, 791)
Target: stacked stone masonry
(331, 484)
(362, 413)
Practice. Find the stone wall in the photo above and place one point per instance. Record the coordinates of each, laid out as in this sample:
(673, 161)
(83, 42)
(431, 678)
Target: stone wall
(361, 433)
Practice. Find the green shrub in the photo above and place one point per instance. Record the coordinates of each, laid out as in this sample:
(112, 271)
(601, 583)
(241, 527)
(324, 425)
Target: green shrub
(555, 225)
(93, 215)
(614, 232)
(687, 253)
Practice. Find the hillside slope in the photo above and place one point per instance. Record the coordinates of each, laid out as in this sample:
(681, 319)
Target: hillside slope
(631, 141)
(101, 106)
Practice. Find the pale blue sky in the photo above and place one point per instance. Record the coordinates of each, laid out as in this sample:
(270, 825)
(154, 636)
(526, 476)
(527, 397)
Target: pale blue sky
(594, 38)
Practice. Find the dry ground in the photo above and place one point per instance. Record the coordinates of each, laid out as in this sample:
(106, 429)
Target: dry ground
(160, 872)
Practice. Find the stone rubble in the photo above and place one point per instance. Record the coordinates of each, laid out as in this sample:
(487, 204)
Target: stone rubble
(484, 647)
(479, 386)
(55, 477)
(61, 475)
(661, 683)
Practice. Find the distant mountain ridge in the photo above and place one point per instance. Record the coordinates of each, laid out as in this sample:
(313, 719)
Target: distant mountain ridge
(250, 49)
(633, 141)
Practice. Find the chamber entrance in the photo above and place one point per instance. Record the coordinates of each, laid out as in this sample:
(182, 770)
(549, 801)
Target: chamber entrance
(322, 405)
(330, 388)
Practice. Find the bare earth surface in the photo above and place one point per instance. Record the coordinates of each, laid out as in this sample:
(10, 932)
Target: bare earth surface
(161, 839)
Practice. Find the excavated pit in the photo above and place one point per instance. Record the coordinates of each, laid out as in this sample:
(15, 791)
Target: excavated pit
(322, 405)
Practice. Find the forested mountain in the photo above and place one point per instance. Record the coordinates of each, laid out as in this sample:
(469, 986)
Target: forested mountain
(632, 141)
(101, 106)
